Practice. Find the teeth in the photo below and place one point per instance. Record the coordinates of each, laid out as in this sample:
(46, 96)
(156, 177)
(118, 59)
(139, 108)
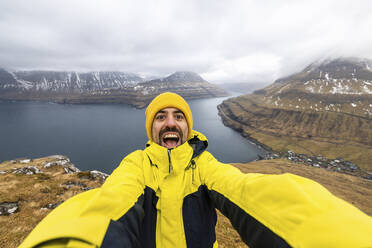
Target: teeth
(170, 136)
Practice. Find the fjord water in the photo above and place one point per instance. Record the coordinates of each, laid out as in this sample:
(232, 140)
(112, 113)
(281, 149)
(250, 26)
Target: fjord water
(97, 137)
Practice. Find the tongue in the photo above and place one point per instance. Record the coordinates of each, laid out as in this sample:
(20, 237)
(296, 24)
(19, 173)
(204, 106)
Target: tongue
(170, 143)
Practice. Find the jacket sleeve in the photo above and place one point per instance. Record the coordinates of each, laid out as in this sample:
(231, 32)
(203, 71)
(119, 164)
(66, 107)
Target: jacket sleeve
(109, 216)
(283, 210)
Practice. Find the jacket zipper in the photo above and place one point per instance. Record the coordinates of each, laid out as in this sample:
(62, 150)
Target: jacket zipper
(170, 162)
(191, 165)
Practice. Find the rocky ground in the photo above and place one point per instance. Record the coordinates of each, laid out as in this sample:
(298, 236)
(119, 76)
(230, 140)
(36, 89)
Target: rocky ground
(31, 188)
(337, 165)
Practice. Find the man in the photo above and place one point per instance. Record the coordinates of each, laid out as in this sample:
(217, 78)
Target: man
(166, 195)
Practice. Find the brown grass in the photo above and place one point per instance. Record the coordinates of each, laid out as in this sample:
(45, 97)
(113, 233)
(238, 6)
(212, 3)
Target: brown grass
(33, 192)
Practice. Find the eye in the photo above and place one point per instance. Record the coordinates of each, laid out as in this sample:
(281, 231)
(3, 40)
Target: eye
(179, 117)
(160, 117)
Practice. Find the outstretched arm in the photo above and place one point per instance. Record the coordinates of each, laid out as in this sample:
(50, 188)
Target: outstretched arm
(283, 210)
(109, 216)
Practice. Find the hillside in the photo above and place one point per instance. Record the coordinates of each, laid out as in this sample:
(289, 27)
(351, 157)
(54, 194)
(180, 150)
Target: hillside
(326, 109)
(30, 189)
(100, 87)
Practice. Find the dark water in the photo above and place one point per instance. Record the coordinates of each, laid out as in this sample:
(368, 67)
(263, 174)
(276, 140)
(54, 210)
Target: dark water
(99, 136)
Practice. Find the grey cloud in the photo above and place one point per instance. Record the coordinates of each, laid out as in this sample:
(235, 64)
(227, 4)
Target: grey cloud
(224, 41)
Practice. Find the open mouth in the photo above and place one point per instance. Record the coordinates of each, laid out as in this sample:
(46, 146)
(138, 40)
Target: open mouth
(170, 140)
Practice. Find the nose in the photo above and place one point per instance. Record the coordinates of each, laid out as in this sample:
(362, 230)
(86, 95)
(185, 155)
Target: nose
(171, 122)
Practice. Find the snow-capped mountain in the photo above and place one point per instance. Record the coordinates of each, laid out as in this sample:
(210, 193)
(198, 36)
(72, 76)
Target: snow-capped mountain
(188, 84)
(100, 87)
(338, 76)
(180, 77)
(340, 85)
(8, 81)
(65, 82)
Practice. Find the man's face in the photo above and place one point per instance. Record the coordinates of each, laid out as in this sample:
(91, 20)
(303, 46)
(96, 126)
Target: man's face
(169, 128)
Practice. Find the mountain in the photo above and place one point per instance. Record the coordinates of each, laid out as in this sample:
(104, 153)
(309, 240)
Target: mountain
(8, 81)
(325, 109)
(100, 87)
(187, 84)
(76, 82)
(180, 77)
(340, 68)
(340, 85)
(55, 179)
(54, 81)
(58, 85)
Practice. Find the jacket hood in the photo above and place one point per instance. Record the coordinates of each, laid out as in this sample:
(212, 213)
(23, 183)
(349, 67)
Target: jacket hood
(198, 142)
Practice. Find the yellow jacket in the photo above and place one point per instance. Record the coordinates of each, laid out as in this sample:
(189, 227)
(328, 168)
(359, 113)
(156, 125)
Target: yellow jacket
(161, 198)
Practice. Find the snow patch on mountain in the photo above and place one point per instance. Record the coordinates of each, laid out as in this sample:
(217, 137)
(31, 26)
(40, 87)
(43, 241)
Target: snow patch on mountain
(54, 81)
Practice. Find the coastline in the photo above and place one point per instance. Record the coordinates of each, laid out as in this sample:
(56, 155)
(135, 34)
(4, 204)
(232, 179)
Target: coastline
(339, 164)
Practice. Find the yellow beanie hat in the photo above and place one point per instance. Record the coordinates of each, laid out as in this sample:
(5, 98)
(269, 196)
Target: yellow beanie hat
(167, 100)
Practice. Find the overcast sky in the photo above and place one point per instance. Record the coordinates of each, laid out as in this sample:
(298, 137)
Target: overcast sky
(223, 41)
